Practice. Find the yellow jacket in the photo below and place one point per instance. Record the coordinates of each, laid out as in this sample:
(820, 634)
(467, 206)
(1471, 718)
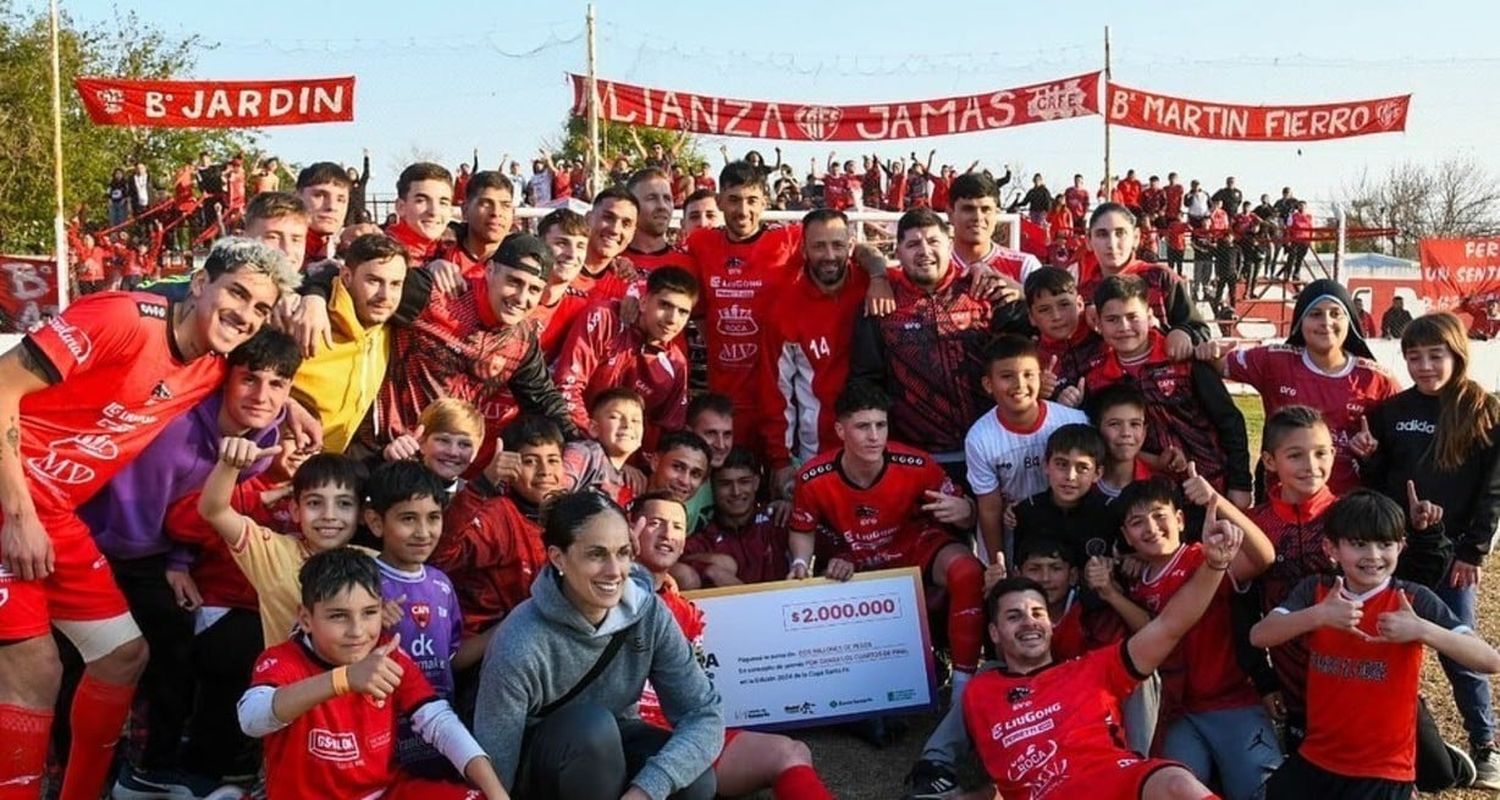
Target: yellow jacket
(341, 382)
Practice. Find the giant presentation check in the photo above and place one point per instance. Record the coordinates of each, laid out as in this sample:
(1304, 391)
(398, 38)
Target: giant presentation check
(802, 652)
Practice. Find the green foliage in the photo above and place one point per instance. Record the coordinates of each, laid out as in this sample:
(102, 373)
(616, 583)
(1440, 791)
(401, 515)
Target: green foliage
(615, 141)
(124, 47)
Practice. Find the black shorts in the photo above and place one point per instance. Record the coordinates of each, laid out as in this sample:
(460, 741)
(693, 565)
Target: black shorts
(1297, 779)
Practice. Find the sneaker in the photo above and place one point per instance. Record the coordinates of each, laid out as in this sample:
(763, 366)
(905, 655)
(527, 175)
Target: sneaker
(149, 784)
(1486, 767)
(1464, 768)
(929, 780)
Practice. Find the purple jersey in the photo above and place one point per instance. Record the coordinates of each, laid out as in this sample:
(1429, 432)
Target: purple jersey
(430, 630)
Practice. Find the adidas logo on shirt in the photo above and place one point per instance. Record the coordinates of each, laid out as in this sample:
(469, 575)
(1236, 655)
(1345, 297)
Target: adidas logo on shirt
(1416, 426)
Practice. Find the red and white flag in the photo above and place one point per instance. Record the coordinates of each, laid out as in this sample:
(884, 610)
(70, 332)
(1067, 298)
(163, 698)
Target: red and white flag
(1134, 108)
(217, 104)
(770, 119)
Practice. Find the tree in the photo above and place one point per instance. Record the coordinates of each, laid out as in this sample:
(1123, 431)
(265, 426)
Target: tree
(1455, 197)
(124, 47)
(615, 141)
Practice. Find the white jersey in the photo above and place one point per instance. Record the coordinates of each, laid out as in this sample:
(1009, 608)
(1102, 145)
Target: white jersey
(1010, 461)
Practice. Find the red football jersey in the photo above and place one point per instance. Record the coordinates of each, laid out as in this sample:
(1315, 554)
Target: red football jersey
(1055, 732)
(1080, 630)
(1361, 695)
(805, 364)
(759, 547)
(602, 352)
(340, 749)
(1013, 264)
(739, 281)
(877, 525)
(1296, 531)
(1212, 680)
(668, 256)
(585, 290)
(118, 380)
(491, 552)
(1284, 375)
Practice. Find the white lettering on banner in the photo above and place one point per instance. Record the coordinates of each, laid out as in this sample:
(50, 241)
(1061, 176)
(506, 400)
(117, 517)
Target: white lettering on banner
(1488, 248)
(1057, 101)
(872, 660)
(331, 746)
(818, 122)
(221, 104)
(25, 282)
(156, 105)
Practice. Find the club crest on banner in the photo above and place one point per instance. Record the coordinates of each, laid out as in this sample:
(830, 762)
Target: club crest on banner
(819, 122)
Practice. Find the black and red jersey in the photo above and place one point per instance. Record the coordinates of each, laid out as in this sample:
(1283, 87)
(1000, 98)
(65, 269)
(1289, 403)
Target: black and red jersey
(1296, 531)
(491, 550)
(1167, 296)
(1077, 356)
(759, 547)
(1187, 407)
(928, 355)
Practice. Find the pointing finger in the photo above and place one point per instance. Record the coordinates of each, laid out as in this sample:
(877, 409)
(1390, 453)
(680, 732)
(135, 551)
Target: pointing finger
(1192, 470)
(1411, 494)
(1364, 424)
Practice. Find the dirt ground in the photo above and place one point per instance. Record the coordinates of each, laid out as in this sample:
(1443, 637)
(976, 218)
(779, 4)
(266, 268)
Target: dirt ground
(855, 770)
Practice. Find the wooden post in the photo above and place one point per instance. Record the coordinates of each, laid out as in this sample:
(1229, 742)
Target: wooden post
(59, 225)
(1109, 181)
(593, 170)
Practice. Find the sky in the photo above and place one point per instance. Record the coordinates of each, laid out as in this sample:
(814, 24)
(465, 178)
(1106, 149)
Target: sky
(441, 78)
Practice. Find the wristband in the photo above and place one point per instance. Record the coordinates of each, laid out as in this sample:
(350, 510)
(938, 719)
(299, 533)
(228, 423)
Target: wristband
(1211, 566)
(340, 681)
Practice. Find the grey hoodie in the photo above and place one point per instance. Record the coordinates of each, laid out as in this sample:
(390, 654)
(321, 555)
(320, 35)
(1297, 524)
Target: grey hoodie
(545, 646)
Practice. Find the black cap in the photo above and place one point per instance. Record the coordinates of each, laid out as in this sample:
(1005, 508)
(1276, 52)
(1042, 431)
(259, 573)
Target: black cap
(526, 253)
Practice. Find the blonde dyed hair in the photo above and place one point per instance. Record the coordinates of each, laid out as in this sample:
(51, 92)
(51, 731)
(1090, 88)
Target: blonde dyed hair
(452, 415)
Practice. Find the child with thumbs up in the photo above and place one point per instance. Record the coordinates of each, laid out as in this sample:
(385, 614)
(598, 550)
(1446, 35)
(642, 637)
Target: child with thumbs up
(1212, 718)
(327, 702)
(1365, 631)
(326, 493)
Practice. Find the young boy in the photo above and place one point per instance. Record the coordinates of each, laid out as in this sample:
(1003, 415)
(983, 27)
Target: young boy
(1181, 395)
(1297, 448)
(598, 464)
(404, 509)
(1365, 632)
(446, 439)
(320, 700)
(1119, 412)
(1070, 509)
(1221, 728)
(327, 493)
(1004, 448)
(1068, 348)
(743, 543)
(1078, 626)
(491, 548)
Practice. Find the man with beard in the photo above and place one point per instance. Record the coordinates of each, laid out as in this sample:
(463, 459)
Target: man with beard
(742, 267)
(650, 248)
(342, 379)
(475, 345)
(927, 353)
(324, 191)
(489, 209)
(807, 347)
(604, 276)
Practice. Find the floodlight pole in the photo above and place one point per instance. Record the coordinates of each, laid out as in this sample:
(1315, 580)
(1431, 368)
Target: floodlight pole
(1109, 183)
(593, 81)
(63, 272)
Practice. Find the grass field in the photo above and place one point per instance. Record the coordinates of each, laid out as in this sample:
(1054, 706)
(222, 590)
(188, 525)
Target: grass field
(855, 770)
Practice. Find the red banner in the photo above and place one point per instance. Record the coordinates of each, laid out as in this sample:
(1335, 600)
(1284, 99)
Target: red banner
(28, 291)
(1460, 272)
(1134, 108)
(768, 119)
(217, 104)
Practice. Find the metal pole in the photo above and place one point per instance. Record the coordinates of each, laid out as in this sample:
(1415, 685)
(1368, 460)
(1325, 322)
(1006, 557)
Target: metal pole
(1341, 224)
(1109, 183)
(594, 182)
(59, 226)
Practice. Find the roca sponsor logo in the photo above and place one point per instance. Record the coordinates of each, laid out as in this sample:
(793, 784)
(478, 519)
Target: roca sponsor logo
(331, 746)
(1416, 426)
(78, 343)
